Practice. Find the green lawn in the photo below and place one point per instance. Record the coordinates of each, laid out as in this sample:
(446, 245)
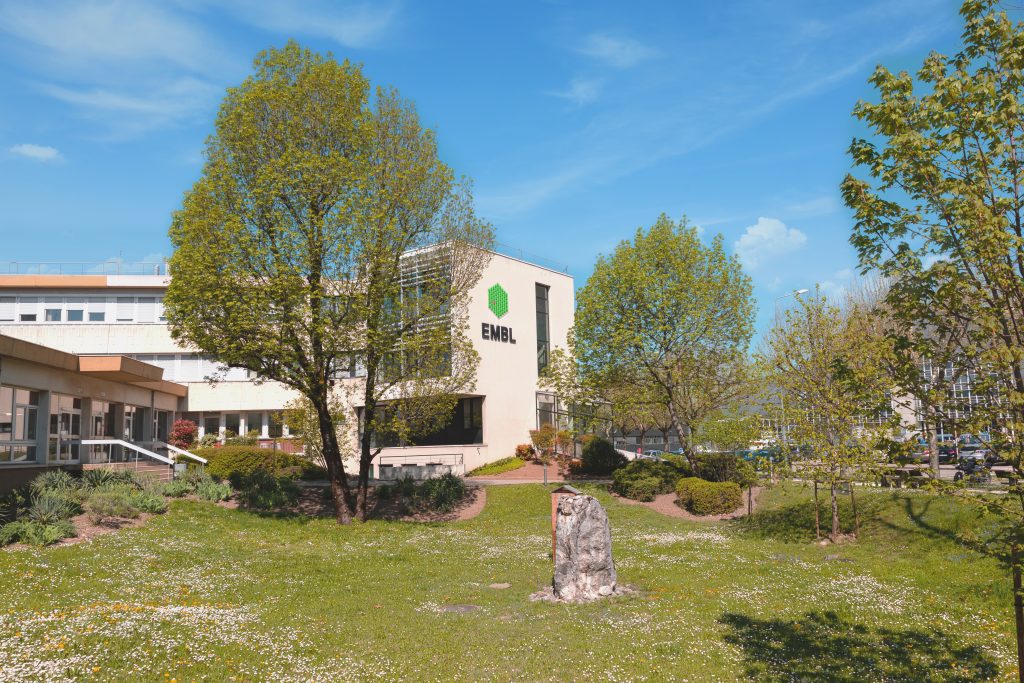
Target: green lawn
(205, 593)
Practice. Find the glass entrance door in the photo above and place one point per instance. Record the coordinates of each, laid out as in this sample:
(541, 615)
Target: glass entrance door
(65, 428)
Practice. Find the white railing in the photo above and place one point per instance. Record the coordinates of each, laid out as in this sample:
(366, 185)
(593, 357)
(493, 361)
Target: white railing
(419, 466)
(128, 445)
(179, 451)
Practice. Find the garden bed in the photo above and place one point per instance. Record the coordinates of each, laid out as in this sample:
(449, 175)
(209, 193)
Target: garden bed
(668, 504)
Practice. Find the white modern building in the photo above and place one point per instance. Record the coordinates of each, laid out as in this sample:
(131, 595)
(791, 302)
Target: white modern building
(122, 316)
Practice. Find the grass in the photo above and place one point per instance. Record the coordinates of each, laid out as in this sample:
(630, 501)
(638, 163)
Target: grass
(497, 467)
(206, 593)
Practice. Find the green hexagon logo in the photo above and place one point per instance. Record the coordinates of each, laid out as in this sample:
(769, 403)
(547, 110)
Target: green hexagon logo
(497, 300)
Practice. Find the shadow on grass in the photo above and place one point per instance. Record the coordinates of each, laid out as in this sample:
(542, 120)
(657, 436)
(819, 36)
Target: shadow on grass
(823, 646)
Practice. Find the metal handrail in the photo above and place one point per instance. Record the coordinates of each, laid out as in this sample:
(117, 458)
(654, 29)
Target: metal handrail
(125, 444)
(180, 451)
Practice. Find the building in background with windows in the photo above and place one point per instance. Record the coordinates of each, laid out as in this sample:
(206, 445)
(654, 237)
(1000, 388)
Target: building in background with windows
(518, 312)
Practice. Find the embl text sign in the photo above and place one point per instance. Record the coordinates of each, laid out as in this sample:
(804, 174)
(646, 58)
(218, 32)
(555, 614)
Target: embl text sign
(498, 333)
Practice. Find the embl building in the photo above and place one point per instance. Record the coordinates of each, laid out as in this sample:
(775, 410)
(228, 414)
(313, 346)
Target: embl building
(518, 312)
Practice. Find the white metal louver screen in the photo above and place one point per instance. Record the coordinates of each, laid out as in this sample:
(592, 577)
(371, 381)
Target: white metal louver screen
(6, 308)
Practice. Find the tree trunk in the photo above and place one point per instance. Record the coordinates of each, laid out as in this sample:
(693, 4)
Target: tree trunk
(834, 536)
(363, 491)
(817, 513)
(1018, 609)
(340, 493)
(856, 518)
(933, 452)
(750, 501)
(683, 431)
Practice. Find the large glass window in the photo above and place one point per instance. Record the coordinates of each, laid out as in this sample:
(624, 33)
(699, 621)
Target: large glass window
(254, 421)
(543, 327)
(211, 423)
(53, 315)
(464, 427)
(19, 412)
(65, 428)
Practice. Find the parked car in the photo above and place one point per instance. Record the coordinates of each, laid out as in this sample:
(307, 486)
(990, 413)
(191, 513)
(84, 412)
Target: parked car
(653, 454)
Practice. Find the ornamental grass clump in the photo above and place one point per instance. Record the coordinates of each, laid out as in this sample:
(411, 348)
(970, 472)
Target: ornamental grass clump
(442, 493)
(111, 503)
(213, 491)
(36, 533)
(261, 490)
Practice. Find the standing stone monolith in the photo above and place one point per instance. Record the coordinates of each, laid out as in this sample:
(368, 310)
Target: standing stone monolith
(584, 569)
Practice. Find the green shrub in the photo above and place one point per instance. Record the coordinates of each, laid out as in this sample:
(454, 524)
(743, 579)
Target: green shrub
(109, 503)
(625, 480)
(684, 490)
(714, 497)
(213, 491)
(239, 460)
(51, 507)
(498, 466)
(177, 488)
(643, 489)
(441, 493)
(261, 490)
(600, 457)
(36, 533)
(12, 504)
(717, 466)
(250, 439)
(52, 480)
(148, 501)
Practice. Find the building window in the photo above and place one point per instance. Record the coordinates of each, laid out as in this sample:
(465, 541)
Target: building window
(254, 422)
(19, 412)
(96, 316)
(543, 327)
(28, 317)
(75, 315)
(53, 315)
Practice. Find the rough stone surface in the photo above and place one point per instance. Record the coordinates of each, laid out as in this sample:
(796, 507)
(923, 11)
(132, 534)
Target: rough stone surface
(584, 569)
(500, 586)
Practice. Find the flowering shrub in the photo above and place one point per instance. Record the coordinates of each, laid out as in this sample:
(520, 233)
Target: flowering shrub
(183, 433)
(525, 451)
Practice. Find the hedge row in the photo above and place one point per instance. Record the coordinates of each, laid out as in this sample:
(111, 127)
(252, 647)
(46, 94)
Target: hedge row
(227, 461)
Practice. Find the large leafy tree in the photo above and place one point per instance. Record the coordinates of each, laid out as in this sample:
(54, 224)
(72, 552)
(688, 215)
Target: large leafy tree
(671, 315)
(325, 239)
(940, 211)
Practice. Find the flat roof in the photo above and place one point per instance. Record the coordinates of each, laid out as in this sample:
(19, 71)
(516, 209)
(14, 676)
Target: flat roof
(114, 368)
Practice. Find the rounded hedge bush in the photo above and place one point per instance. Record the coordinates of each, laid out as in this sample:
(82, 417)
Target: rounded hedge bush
(600, 457)
(710, 497)
(640, 476)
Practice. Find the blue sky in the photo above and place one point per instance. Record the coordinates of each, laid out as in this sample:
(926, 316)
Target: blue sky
(578, 122)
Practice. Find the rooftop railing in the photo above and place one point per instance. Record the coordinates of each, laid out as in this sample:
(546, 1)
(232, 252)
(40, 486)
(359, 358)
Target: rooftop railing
(112, 267)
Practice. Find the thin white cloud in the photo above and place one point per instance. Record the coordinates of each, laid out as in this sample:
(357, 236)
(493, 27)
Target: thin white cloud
(129, 66)
(114, 34)
(768, 238)
(619, 52)
(352, 24)
(36, 152)
(134, 111)
(836, 287)
(818, 206)
(580, 91)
